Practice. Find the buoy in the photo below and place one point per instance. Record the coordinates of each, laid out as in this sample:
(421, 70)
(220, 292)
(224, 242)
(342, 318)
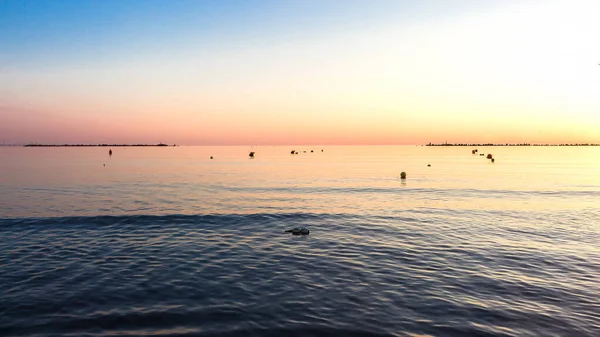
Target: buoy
(298, 231)
(110, 152)
(489, 156)
(211, 157)
(493, 160)
(251, 154)
(311, 151)
(428, 165)
(403, 175)
(293, 152)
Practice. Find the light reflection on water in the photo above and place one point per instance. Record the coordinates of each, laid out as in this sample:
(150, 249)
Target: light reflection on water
(184, 180)
(166, 242)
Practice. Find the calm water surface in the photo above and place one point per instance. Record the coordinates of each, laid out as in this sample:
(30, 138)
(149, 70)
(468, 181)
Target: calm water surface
(167, 242)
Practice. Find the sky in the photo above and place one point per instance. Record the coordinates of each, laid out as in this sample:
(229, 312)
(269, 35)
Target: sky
(299, 72)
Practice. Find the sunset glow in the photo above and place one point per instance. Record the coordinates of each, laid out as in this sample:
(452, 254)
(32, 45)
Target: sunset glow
(299, 72)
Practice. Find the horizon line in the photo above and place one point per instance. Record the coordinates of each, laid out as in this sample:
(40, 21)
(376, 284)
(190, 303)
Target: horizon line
(445, 144)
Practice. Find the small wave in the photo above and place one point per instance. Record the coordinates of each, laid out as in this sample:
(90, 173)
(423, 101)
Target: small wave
(238, 274)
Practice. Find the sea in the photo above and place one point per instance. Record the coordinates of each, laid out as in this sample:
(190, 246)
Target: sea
(165, 241)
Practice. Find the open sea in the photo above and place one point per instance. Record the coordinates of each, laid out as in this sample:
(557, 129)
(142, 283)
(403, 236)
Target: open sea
(164, 241)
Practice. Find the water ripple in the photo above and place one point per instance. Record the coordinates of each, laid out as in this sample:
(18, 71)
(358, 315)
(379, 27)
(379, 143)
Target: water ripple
(237, 274)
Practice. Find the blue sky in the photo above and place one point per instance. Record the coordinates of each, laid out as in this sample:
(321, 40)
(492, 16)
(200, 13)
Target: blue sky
(38, 33)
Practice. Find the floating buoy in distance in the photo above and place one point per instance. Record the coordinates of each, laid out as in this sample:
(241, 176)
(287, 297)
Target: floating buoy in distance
(403, 175)
(251, 154)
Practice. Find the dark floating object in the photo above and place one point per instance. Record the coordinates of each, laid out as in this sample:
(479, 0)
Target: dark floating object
(493, 160)
(311, 151)
(428, 165)
(321, 150)
(211, 157)
(482, 154)
(103, 164)
(293, 152)
(403, 175)
(489, 156)
(251, 154)
(298, 231)
(110, 152)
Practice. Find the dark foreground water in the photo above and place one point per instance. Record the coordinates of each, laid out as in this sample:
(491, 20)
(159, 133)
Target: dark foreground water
(230, 275)
(168, 242)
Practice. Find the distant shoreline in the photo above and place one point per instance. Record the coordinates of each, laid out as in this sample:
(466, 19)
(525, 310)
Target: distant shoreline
(167, 145)
(96, 145)
(523, 144)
